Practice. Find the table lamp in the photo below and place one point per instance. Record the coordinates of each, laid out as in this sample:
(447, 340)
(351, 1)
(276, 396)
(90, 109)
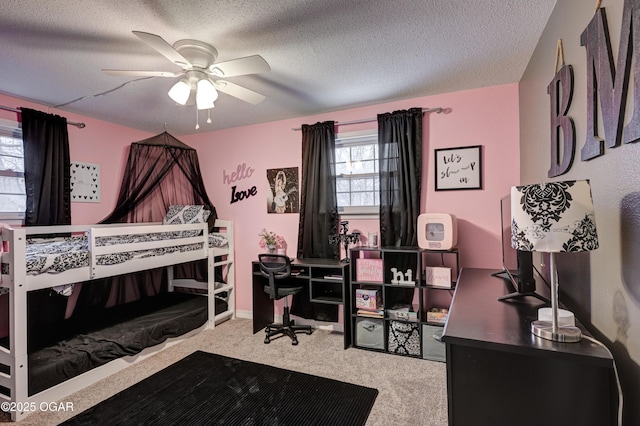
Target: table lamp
(553, 217)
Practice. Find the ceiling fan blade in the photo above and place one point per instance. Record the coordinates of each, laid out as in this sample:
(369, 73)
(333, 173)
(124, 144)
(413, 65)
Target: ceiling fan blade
(241, 66)
(239, 92)
(164, 48)
(142, 73)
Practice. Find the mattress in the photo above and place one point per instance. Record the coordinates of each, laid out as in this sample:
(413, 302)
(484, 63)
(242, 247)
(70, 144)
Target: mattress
(94, 339)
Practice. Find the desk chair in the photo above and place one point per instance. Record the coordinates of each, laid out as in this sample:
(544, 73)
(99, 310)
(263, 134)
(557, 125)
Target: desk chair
(276, 268)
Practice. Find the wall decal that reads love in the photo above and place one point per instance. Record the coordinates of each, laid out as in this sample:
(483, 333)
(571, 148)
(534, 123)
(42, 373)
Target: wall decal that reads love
(85, 182)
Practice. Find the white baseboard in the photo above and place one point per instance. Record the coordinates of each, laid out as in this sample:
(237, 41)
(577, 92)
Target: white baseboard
(244, 314)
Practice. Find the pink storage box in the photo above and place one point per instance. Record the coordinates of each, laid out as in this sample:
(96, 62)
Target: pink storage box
(368, 299)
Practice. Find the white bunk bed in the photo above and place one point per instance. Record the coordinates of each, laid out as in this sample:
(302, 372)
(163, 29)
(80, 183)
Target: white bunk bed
(102, 251)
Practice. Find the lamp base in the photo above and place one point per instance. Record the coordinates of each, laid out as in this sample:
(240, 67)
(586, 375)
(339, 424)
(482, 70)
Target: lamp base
(565, 318)
(567, 334)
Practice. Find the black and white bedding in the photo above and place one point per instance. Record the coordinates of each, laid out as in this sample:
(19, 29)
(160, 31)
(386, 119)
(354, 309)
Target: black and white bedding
(218, 240)
(73, 252)
(62, 254)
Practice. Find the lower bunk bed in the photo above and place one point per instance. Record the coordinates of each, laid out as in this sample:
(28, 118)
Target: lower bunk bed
(94, 345)
(89, 341)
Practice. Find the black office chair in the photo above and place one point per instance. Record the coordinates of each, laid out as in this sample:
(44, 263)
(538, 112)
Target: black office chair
(277, 267)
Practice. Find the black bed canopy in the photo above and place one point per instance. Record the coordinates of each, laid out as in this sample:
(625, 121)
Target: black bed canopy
(161, 171)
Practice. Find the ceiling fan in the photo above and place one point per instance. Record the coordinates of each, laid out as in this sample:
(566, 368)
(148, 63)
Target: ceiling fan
(202, 77)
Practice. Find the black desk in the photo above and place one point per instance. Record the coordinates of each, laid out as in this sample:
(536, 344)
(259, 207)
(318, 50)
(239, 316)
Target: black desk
(321, 290)
(499, 373)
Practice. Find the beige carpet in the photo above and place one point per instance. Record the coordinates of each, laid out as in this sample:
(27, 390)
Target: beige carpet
(411, 391)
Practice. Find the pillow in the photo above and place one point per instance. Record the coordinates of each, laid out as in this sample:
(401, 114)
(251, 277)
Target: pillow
(212, 218)
(179, 214)
(217, 240)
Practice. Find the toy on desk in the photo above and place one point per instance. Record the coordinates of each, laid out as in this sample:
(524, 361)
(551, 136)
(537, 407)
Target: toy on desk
(345, 238)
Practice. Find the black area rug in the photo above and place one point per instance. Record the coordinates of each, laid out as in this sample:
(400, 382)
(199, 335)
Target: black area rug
(210, 389)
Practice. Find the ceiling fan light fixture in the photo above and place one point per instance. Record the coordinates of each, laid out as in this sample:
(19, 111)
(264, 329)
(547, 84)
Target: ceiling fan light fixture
(180, 91)
(206, 94)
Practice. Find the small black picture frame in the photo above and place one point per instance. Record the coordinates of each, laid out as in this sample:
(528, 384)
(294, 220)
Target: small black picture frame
(458, 168)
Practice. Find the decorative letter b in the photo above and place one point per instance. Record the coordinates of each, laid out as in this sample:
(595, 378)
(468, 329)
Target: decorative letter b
(561, 122)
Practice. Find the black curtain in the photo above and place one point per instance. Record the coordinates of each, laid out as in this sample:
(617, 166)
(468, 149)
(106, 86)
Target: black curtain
(400, 157)
(47, 168)
(318, 203)
(318, 210)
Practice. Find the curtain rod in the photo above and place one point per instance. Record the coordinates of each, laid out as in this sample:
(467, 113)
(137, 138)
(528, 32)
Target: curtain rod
(78, 125)
(437, 110)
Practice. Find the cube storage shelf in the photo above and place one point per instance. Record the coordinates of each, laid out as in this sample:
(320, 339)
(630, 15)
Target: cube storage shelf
(393, 308)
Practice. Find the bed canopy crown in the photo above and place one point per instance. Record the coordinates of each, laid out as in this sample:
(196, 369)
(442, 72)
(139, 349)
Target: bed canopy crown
(161, 171)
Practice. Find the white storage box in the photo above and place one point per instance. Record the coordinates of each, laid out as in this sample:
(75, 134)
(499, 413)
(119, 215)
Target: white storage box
(432, 346)
(438, 276)
(370, 333)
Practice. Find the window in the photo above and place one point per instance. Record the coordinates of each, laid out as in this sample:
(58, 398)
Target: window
(357, 180)
(13, 199)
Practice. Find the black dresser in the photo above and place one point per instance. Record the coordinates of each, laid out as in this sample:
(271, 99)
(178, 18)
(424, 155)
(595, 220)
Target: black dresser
(499, 373)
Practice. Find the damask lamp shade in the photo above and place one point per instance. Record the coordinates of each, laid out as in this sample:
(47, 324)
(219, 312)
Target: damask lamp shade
(553, 217)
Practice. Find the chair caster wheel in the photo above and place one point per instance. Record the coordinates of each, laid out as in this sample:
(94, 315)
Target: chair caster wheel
(267, 341)
(309, 332)
(294, 343)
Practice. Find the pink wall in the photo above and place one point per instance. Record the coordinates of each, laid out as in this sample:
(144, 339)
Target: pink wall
(99, 142)
(487, 117)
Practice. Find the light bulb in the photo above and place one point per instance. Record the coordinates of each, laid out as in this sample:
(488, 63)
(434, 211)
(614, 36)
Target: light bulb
(180, 91)
(206, 94)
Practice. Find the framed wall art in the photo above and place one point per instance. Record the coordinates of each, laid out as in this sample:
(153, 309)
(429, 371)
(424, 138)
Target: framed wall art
(458, 168)
(85, 182)
(282, 196)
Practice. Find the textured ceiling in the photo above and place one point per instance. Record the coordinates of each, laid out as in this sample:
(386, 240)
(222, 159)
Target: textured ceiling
(324, 55)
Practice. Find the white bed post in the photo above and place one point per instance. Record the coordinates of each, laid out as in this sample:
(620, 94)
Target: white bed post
(18, 322)
(211, 288)
(91, 236)
(231, 277)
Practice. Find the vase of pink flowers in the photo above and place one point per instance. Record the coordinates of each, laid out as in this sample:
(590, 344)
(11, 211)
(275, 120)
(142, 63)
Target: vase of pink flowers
(270, 241)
